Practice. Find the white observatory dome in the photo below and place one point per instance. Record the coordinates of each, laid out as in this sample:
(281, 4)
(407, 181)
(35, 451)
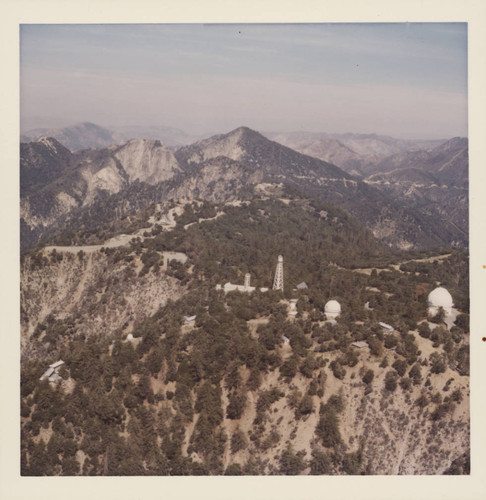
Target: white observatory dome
(332, 309)
(440, 297)
(437, 298)
(333, 306)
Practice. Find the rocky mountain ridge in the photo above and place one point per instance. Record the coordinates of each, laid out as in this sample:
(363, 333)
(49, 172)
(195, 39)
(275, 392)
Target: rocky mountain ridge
(358, 154)
(436, 181)
(141, 172)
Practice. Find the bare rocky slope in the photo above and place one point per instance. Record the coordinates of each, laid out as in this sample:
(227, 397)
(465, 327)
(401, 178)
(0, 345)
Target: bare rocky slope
(97, 186)
(102, 292)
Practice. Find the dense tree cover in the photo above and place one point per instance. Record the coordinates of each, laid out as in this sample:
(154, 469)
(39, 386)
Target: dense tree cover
(158, 405)
(452, 273)
(252, 236)
(328, 426)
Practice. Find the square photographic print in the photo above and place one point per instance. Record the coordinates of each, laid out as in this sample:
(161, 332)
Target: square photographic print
(244, 249)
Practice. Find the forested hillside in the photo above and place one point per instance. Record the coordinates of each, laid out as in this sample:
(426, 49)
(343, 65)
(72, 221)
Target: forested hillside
(226, 394)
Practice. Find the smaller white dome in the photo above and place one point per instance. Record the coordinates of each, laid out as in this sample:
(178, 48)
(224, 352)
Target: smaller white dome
(440, 297)
(332, 307)
(129, 337)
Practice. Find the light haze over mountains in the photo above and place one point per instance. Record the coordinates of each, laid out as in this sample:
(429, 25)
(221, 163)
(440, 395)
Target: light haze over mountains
(399, 79)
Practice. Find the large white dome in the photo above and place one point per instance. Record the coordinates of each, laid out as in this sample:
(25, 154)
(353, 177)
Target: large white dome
(332, 307)
(440, 297)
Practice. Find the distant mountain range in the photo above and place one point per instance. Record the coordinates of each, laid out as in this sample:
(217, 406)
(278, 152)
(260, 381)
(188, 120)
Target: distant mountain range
(359, 154)
(63, 190)
(435, 181)
(76, 137)
(89, 135)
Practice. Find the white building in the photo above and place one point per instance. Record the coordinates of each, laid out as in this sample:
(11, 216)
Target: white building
(332, 309)
(190, 320)
(438, 298)
(293, 307)
(302, 286)
(52, 372)
(230, 287)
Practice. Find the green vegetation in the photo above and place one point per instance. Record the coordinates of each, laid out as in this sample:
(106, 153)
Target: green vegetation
(174, 401)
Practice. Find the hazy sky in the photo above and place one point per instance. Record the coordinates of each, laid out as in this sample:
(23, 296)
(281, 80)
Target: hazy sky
(407, 80)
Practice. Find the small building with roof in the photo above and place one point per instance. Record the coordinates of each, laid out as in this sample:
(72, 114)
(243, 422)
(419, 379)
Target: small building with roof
(52, 372)
(190, 320)
(230, 287)
(293, 307)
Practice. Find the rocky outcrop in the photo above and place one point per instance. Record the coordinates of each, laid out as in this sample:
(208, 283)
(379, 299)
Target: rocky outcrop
(93, 291)
(147, 161)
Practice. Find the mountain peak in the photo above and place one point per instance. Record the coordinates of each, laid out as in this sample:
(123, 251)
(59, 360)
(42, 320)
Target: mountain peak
(84, 135)
(245, 132)
(147, 160)
(53, 145)
(88, 125)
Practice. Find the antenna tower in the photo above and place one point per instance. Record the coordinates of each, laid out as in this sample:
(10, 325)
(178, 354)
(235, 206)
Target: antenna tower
(278, 282)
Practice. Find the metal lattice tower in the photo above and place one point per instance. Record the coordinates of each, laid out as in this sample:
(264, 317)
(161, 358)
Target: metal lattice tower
(278, 282)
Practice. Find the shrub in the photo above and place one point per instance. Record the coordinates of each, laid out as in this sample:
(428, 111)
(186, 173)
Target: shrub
(338, 370)
(457, 396)
(233, 470)
(441, 411)
(437, 363)
(320, 463)
(416, 374)
(291, 463)
(406, 383)
(368, 376)
(305, 406)
(391, 381)
(400, 366)
(308, 366)
(328, 429)
(390, 341)
(238, 441)
(423, 400)
(236, 405)
(424, 330)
